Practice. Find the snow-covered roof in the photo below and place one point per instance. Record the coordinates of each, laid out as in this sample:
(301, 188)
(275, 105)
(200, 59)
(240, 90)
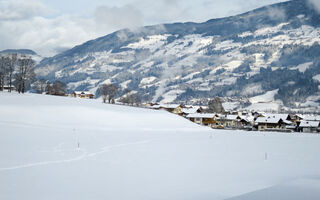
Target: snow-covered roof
(201, 115)
(231, 117)
(190, 110)
(280, 116)
(228, 117)
(248, 118)
(287, 122)
(309, 124)
(8, 86)
(155, 106)
(268, 120)
(82, 92)
(169, 106)
(311, 118)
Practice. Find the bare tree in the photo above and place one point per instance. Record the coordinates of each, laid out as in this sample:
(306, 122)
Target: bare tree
(215, 105)
(135, 98)
(5, 62)
(131, 99)
(108, 92)
(40, 86)
(103, 92)
(125, 96)
(49, 88)
(2, 72)
(59, 88)
(11, 66)
(25, 73)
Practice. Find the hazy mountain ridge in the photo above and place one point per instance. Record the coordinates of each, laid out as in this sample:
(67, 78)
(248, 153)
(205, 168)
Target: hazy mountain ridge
(18, 51)
(27, 52)
(274, 47)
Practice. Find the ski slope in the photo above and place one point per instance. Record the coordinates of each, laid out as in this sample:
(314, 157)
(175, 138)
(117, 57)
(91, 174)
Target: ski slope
(63, 148)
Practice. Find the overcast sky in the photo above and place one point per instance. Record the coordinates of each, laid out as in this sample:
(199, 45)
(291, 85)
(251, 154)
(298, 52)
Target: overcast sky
(51, 26)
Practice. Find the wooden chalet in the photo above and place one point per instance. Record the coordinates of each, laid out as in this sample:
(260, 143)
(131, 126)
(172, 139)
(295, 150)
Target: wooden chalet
(173, 108)
(229, 121)
(272, 122)
(186, 111)
(206, 119)
(246, 122)
(82, 94)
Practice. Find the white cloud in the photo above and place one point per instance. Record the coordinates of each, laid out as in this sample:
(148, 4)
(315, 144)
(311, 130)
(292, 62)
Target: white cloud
(45, 35)
(17, 10)
(165, 10)
(32, 24)
(118, 17)
(49, 35)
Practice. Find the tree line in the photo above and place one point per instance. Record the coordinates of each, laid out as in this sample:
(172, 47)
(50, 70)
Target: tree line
(110, 91)
(16, 70)
(43, 86)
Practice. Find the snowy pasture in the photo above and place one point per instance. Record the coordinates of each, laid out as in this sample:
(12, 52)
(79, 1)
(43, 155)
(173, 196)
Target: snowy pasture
(64, 148)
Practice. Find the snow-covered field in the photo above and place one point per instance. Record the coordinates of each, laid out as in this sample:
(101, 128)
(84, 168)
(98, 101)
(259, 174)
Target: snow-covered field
(139, 154)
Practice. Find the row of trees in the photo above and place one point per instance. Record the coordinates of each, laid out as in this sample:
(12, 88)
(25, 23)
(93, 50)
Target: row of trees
(16, 71)
(56, 88)
(110, 91)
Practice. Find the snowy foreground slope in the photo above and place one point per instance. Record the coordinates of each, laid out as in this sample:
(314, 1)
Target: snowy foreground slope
(137, 154)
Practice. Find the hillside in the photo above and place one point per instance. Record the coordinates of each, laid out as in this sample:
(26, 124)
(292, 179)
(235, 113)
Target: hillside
(271, 48)
(66, 148)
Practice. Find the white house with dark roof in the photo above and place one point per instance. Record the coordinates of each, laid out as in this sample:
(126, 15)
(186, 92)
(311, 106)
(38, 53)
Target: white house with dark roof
(273, 122)
(9, 88)
(229, 121)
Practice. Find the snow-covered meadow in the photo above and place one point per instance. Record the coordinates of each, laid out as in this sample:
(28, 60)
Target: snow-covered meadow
(65, 148)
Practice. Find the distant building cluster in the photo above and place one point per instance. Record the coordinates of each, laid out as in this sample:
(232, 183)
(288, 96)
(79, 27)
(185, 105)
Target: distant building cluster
(82, 94)
(257, 121)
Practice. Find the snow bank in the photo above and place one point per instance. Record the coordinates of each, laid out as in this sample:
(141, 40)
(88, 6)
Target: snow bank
(267, 97)
(264, 107)
(293, 190)
(65, 148)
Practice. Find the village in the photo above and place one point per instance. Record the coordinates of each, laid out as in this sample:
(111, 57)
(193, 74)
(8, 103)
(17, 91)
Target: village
(244, 120)
(234, 120)
(230, 120)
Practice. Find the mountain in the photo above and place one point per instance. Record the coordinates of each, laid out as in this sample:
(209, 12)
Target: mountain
(18, 51)
(27, 52)
(273, 48)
